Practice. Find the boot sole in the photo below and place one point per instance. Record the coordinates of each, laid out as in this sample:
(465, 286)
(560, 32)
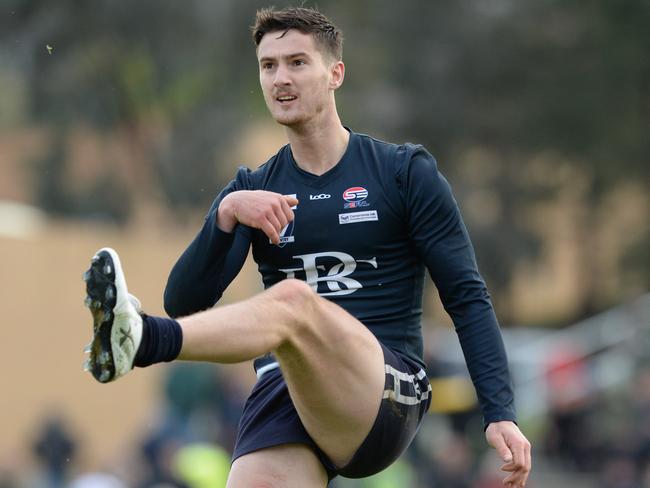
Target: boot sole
(101, 297)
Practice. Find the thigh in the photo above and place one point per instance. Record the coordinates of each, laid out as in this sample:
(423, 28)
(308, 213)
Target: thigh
(335, 376)
(285, 466)
(270, 418)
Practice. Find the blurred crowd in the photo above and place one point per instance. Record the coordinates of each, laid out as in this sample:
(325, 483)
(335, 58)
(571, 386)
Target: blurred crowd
(587, 438)
(594, 440)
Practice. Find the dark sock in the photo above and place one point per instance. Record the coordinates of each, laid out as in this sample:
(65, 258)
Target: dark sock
(162, 340)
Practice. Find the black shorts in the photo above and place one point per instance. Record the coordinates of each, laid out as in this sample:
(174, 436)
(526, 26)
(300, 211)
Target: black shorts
(270, 419)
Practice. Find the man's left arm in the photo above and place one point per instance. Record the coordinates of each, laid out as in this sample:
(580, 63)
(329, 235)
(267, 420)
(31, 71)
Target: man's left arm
(440, 236)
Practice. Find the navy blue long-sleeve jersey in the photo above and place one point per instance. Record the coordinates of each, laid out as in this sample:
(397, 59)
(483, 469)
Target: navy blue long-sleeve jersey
(362, 236)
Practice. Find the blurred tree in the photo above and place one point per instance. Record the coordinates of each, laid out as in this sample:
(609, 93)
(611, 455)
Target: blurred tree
(511, 97)
(516, 80)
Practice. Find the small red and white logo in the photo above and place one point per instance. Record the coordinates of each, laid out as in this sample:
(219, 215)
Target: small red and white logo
(355, 196)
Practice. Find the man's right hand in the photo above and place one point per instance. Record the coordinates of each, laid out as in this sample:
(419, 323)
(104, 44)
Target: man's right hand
(265, 210)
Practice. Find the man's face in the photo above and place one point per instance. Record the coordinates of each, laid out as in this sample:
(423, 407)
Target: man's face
(296, 80)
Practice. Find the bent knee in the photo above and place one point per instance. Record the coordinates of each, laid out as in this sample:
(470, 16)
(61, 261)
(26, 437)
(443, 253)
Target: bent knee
(293, 288)
(296, 294)
(300, 304)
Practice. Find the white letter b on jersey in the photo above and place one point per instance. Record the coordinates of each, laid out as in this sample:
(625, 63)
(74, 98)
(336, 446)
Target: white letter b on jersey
(336, 276)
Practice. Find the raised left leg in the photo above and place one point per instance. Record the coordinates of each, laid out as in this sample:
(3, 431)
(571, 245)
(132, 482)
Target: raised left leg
(332, 364)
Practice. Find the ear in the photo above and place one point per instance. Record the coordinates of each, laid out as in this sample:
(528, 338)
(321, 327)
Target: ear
(337, 73)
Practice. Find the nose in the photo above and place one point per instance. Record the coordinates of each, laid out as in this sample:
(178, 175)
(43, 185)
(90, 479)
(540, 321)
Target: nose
(281, 77)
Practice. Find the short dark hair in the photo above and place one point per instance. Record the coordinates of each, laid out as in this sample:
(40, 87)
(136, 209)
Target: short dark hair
(328, 37)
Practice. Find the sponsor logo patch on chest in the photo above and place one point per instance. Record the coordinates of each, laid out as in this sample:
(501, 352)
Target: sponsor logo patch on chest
(354, 217)
(355, 197)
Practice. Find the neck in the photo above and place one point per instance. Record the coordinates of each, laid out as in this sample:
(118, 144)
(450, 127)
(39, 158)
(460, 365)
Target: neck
(318, 147)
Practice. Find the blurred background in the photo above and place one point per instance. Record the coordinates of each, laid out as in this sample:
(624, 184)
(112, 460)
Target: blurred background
(120, 121)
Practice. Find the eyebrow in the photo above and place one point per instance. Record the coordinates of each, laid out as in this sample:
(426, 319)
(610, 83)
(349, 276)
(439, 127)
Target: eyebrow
(288, 56)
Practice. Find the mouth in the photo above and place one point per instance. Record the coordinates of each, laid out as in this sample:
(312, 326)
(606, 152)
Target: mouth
(285, 98)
